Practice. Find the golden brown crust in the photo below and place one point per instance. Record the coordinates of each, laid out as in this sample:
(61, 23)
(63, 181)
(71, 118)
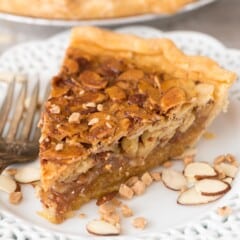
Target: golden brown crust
(90, 9)
(117, 100)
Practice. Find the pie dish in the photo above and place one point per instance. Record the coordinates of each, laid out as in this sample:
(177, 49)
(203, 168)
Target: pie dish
(91, 9)
(119, 106)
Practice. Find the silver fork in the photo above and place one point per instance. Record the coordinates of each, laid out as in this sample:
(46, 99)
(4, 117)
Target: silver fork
(19, 143)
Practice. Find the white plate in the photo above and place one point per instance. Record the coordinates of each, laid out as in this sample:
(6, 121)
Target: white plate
(100, 22)
(167, 220)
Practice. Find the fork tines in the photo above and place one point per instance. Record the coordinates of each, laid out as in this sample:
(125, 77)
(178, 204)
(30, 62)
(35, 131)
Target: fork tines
(16, 119)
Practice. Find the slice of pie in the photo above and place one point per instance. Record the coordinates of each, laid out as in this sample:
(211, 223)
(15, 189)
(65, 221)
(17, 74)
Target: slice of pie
(89, 9)
(119, 106)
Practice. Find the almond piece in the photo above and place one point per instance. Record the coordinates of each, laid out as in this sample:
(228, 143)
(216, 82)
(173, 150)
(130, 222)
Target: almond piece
(192, 197)
(102, 228)
(173, 179)
(125, 191)
(15, 197)
(199, 170)
(212, 187)
(229, 169)
(146, 179)
(27, 175)
(156, 176)
(139, 222)
(227, 180)
(126, 211)
(7, 184)
(139, 188)
(224, 211)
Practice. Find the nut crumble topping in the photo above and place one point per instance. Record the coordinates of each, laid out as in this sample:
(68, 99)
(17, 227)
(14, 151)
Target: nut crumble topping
(93, 121)
(59, 147)
(74, 118)
(125, 191)
(99, 107)
(146, 179)
(139, 188)
(126, 211)
(89, 105)
(139, 222)
(224, 211)
(55, 109)
(15, 197)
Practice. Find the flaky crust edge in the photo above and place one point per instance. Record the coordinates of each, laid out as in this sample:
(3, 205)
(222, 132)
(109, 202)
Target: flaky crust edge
(196, 66)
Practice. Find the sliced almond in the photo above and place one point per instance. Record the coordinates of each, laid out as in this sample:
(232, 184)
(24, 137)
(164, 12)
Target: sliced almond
(27, 175)
(173, 179)
(193, 197)
(199, 170)
(7, 184)
(228, 180)
(212, 187)
(102, 228)
(229, 169)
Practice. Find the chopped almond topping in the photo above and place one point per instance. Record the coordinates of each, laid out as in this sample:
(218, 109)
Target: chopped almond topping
(224, 211)
(157, 82)
(93, 121)
(59, 147)
(139, 188)
(99, 107)
(15, 197)
(108, 117)
(146, 179)
(108, 125)
(125, 191)
(188, 159)
(89, 104)
(112, 218)
(219, 159)
(131, 181)
(126, 211)
(156, 176)
(43, 138)
(139, 222)
(74, 118)
(82, 215)
(167, 164)
(55, 109)
(106, 208)
(81, 92)
(231, 159)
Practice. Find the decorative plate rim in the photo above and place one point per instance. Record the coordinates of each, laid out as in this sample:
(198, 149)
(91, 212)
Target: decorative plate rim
(140, 235)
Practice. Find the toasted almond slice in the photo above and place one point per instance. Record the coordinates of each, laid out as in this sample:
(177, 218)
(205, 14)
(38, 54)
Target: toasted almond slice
(228, 180)
(199, 170)
(27, 175)
(102, 228)
(229, 169)
(212, 187)
(173, 179)
(193, 197)
(7, 184)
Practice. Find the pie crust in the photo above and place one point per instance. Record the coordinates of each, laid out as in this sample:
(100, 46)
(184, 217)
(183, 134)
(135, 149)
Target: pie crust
(90, 9)
(120, 106)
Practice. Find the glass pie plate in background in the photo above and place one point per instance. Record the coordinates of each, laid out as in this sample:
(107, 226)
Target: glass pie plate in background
(101, 22)
(167, 219)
